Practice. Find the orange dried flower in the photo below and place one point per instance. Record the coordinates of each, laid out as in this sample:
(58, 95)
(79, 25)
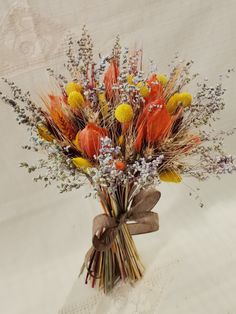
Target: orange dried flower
(156, 89)
(61, 118)
(153, 124)
(110, 78)
(120, 165)
(89, 139)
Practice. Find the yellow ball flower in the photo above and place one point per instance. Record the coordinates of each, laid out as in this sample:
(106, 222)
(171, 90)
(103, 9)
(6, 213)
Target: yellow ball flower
(124, 113)
(162, 79)
(73, 87)
(75, 100)
(185, 99)
(170, 176)
(81, 163)
(172, 103)
(144, 90)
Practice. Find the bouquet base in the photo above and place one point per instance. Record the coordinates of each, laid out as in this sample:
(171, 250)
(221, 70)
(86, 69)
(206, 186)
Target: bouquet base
(120, 262)
(113, 256)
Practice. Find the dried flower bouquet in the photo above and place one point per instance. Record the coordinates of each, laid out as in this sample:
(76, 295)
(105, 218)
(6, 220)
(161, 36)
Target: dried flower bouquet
(125, 132)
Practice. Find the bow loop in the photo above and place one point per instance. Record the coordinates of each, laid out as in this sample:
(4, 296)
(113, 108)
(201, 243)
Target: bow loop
(145, 200)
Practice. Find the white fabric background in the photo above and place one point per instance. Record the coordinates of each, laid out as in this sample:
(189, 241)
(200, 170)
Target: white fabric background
(44, 236)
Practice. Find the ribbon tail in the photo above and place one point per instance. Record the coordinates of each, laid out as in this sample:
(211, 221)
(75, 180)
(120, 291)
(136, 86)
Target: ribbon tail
(104, 242)
(88, 260)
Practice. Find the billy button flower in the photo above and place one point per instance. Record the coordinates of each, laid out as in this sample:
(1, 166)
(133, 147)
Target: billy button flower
(75, 100)
(89, 139)
(143, 89)
(185, 99)
(73, 87)
(124, 113)
(178, 99)
(142, 86)
(172, 103)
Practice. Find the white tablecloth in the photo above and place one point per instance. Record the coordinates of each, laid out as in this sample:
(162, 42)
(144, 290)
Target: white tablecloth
(190, 262)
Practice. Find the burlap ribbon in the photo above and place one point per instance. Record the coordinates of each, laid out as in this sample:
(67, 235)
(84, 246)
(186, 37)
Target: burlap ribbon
(139, 219)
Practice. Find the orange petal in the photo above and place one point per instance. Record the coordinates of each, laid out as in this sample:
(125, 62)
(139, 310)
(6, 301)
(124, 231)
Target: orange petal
(158, 125)
(63, 122)
(90, 139)
(141, 134)
(125, 126)
(156, 89)
(110, 78)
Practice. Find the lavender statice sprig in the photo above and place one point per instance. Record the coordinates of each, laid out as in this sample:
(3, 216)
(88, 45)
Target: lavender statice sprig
(144, 172)
(106, 175)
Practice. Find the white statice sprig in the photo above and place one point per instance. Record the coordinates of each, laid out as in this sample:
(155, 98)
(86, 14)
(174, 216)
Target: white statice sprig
(144, 172)
(106, 175)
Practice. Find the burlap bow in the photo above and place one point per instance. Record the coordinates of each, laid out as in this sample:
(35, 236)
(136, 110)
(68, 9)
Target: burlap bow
(139, 219)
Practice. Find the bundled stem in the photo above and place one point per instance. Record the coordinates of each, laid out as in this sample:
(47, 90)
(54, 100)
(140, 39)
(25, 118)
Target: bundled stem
(121, 261)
